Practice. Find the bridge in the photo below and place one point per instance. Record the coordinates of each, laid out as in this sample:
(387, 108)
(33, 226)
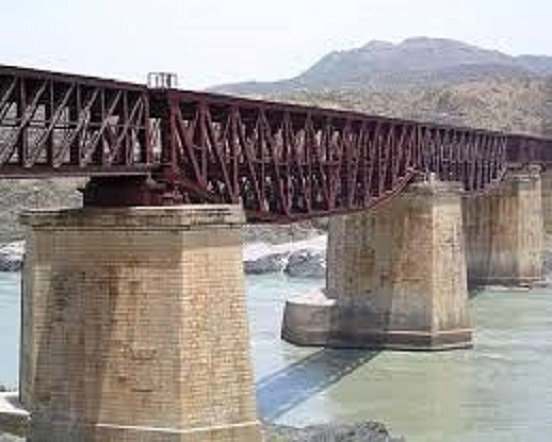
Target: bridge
(281, 162)
(134, 323)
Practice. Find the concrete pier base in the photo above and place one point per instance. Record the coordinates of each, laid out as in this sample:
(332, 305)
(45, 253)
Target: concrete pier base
(134, 326)
(396, 278)
(504, 232)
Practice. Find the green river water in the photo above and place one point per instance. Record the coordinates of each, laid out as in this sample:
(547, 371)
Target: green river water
(499, 391)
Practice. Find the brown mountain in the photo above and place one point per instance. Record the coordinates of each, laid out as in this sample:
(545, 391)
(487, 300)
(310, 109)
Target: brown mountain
(419, 61)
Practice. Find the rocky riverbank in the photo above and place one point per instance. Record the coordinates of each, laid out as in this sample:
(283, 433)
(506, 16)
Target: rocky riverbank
(300, 259)
(7, 438)
(304, 258)
(362, 432)
(11, 256)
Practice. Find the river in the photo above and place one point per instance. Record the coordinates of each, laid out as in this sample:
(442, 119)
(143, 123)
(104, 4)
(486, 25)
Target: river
(499, 391)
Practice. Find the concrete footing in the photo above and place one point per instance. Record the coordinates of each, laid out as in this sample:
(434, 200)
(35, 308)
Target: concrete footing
(310, 320)
(396, 278)
(504, 232)
(134, 326)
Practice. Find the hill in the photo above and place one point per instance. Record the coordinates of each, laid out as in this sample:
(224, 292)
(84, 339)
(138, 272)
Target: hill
(419, 61)
(498, 103)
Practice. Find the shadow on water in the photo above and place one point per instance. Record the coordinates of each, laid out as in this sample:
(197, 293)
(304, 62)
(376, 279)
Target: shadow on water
(285, 389)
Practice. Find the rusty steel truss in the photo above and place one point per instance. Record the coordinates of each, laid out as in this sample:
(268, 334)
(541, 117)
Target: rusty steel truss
(282, 162)
(53, 124)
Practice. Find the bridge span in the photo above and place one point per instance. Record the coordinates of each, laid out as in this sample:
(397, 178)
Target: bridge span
(134, 321)
(281, 162)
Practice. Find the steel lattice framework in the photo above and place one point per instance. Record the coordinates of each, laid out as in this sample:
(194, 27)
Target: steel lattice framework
(53, 124)
(282, 162)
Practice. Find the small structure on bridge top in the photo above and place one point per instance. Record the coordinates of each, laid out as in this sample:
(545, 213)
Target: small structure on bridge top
(162, 80)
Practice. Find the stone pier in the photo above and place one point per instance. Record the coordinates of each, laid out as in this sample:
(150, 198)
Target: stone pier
(134, 326)
(396, 278)
(546, 193)
(505, 233)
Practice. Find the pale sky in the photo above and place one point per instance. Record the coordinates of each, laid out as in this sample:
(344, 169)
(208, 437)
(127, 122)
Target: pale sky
(208, 42)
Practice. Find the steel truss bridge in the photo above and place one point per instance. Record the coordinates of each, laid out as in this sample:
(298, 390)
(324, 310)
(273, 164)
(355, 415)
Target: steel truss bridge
(145, 145)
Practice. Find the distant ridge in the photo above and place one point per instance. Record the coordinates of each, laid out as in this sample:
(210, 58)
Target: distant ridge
(416, 61)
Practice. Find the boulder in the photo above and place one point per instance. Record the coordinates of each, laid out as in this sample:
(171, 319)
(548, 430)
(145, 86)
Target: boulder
(361, 432)
(11, 256)
(269, 263)
(307, 263)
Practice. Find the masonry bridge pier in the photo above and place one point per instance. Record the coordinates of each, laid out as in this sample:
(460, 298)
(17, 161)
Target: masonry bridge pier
(398, 276)
(134, 323)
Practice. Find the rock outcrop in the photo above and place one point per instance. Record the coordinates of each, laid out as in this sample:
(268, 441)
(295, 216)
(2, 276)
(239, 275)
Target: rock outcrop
(11, 256)
(306, 263)
(268, 263)
(300, 259)
(362, 432)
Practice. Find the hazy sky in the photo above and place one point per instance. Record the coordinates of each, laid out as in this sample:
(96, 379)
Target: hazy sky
(209, 42)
